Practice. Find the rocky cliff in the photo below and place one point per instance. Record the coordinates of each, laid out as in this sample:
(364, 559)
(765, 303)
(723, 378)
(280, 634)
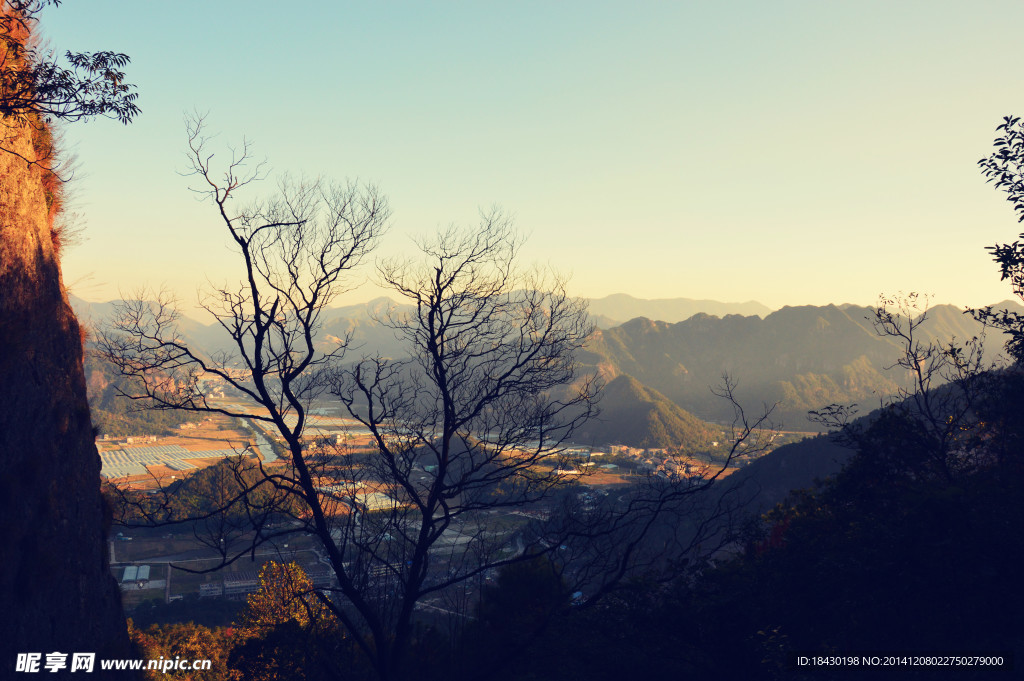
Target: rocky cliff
(56, 591)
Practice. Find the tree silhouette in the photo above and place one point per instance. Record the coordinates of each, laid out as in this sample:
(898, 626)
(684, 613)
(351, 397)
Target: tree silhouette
(474, 416)
(473, 420)
(1004, 168)
(35, 88)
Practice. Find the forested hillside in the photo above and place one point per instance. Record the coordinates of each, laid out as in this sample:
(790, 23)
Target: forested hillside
(802, 357)
(115, 415)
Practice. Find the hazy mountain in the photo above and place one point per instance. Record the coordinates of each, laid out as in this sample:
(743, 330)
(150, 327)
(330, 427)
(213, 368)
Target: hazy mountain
(604, 322)
(619, 308)
(362, 323)
(804, 357)
(206, 338)
(1011, 305)
(634, 415)
(359, 322)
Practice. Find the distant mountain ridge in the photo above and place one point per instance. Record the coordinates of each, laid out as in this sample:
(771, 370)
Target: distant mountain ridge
(360, 318)
(357, 321)
(620, 307)
(802, 357)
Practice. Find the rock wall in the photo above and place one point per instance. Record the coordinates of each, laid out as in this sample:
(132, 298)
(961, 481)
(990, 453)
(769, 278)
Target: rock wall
(56, 591)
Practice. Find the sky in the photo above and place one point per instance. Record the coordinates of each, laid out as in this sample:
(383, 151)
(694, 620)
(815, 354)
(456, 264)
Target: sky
(794, 153)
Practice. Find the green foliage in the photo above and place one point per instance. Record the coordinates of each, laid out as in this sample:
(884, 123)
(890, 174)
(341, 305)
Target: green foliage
(1004, 168)
(36, 88)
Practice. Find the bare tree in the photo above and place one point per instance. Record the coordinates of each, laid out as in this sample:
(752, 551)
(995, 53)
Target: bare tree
(296, 252)
(477, 420)
(663, 526)
(937, 410)
(472, 421)
(475, 416)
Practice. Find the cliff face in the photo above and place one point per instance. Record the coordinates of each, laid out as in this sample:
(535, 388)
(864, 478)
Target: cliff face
(56, 592)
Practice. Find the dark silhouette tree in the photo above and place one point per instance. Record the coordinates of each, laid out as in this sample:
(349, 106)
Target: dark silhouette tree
(1004, 168)
(295, 252)
(932, 424)
(36, 88)
(473, 418)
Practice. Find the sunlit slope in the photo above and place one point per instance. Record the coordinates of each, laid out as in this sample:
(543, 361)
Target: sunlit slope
(635, 415)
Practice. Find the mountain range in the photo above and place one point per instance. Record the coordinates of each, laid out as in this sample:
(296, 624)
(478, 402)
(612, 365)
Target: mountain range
(619, 307)
(659, 375)
(802, 358)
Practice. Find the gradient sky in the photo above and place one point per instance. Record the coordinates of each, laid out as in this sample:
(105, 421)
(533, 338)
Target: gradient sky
(788, 152)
